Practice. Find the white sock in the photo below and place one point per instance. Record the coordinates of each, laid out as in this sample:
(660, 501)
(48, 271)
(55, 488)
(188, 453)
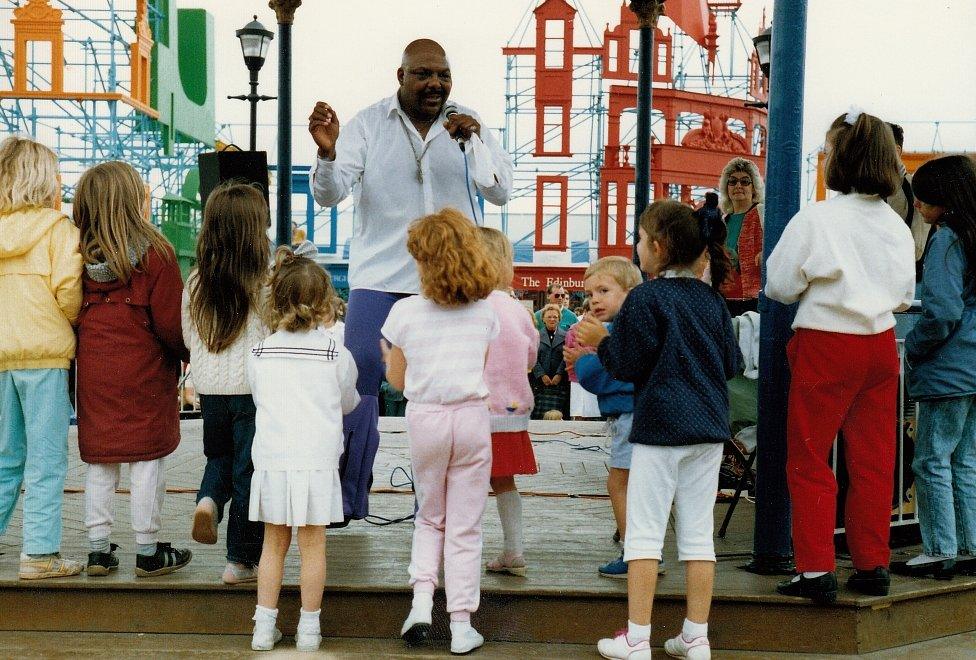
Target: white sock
(925, 559)
(264, 614)
(510, 512)
(636, 633)
(813, 574)
(423, 602)
(691, 630)
(460, 628)
(309, 621)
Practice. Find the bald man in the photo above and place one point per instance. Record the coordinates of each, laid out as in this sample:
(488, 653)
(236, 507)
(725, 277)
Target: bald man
(401, 159)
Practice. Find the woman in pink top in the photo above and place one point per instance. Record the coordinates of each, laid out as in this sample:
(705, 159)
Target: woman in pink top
(510, 358)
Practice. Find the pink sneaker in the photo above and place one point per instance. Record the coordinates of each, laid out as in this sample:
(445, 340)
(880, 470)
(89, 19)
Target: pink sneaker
(512, 565)
(695, 649)
(619, 647)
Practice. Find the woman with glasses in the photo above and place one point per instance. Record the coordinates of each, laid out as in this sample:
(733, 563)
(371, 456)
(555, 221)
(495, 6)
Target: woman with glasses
(741, 200)
(558, 296)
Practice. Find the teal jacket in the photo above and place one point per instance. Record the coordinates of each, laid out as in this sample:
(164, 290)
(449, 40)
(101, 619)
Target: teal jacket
(941, 348)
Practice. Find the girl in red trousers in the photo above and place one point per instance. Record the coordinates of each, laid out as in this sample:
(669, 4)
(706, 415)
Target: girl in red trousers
(439, 343)
(130, 345)
(849, 262)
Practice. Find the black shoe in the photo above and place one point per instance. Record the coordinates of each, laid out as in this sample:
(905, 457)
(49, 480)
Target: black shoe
(940, 570)
(417, 635)
(339, 525)
(965, 566)
(102, 563)
(822, 590)
(770, 565)
(166, 560)
(870, 583)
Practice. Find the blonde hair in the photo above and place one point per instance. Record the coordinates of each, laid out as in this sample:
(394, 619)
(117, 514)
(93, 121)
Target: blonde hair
(110, 210)
(232, 264)
(455, 267)
(28, 175)
(552, 307)
(302, 297)
(739, 164)
(621, 270)
(501, 252)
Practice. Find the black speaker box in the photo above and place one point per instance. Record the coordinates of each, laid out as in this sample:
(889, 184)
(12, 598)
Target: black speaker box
(216, 167)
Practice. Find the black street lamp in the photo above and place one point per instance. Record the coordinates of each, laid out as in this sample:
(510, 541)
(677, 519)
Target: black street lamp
(255, 39)
(762, 42)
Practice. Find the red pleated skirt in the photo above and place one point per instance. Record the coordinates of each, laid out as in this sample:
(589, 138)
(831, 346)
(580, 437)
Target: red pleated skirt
(511, 454)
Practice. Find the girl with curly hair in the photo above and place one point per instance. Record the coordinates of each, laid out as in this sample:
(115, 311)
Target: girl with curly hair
(439, 346)
(298, 438)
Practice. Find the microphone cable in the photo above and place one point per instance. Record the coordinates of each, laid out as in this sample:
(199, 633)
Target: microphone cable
(467, 184)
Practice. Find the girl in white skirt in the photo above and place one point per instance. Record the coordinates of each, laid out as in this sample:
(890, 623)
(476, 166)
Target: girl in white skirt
(303, 381)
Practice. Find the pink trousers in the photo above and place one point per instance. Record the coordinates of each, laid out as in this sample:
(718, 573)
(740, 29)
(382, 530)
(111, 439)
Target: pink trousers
(450, 452)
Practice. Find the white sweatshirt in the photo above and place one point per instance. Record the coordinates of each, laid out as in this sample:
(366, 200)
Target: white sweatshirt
(849, 261)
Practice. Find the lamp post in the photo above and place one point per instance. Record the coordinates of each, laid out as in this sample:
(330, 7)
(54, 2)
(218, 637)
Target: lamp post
(254, 45)
(285, 11)
(772, 549)
(762, 44)
(647, 11)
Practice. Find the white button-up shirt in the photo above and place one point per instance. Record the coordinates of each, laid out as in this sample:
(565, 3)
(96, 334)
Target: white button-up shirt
(373, 151)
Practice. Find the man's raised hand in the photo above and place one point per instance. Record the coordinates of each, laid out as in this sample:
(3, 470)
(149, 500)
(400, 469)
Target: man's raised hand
(323, 124)
(462, 126)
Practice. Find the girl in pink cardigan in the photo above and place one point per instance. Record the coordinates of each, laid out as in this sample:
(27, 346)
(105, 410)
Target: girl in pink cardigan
(510, 358)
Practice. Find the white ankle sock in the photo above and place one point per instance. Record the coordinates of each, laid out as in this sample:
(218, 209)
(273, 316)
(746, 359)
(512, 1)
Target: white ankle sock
(460, 627)
(813, 574)
(691, 630)
(264, 613)
(423, 602)
(510, 512)
(635, 633)
(924, 559)
(309, 621)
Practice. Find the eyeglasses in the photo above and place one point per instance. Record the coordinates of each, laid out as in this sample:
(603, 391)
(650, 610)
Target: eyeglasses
(739, 182)
(560, 295)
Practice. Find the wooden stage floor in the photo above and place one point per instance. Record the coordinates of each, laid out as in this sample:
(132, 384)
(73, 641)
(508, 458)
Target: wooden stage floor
(568, 529)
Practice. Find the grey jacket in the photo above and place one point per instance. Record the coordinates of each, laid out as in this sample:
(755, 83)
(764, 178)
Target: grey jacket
(550, 362)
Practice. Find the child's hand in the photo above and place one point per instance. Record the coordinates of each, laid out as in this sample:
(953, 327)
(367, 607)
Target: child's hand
(590, 332)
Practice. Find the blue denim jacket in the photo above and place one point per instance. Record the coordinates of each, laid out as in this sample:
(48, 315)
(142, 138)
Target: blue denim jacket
(614, 396)
(941, 348)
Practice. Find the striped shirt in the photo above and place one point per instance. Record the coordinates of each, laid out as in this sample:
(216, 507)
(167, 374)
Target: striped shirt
(445, 348)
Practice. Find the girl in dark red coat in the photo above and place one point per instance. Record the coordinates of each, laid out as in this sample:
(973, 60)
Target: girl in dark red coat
(130, 345)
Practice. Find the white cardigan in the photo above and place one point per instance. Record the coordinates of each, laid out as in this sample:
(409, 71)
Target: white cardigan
(850, 261)
(220, 373)
(302, 383)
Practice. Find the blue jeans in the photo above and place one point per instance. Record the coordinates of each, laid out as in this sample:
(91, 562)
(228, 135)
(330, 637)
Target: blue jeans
(945, 475)
(34, 417)
(228, 432)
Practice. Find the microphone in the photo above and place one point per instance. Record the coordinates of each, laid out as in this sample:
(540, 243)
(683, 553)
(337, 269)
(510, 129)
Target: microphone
(449, 110)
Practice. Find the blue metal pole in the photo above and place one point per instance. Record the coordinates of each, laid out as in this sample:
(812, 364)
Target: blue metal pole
(783, 166)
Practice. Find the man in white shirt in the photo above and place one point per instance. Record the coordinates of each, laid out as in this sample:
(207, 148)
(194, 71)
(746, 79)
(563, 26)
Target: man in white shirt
(400, 157)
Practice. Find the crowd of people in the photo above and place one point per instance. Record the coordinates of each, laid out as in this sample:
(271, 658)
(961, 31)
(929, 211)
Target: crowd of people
(103, 288)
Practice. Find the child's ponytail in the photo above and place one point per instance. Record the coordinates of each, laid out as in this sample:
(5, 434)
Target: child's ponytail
(713, 233)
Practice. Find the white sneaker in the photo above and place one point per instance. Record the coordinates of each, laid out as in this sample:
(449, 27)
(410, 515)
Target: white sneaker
(696, 649)
(620, 648)
(308, 640)
(416, 628)
(265, 636)
(235, 573)
(466, 641)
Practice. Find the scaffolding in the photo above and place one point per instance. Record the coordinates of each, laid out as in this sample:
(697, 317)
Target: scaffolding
(89, 78)
(570, 122)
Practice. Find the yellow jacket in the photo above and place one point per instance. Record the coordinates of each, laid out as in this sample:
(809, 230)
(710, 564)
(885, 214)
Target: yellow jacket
(40, 289)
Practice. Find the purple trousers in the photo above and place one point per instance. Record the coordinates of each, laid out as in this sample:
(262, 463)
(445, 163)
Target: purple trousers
(365, 315)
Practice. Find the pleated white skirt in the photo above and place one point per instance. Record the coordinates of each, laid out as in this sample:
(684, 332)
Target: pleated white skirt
(296, 498)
